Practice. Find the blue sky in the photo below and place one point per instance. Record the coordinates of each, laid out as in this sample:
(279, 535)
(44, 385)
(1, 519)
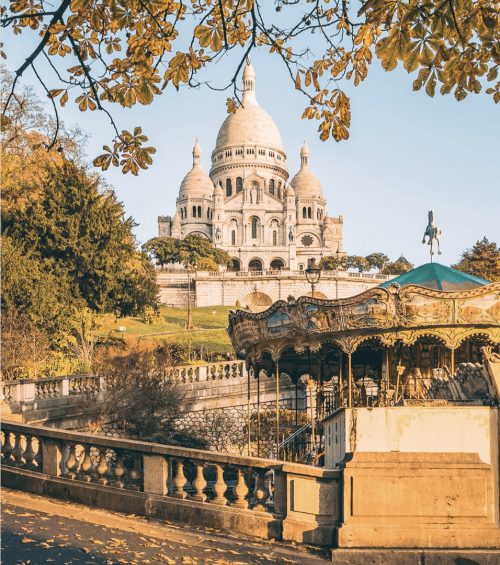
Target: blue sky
(407, 154)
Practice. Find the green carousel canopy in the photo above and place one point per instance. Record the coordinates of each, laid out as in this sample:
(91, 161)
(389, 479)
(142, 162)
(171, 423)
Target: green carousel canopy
(438, 277)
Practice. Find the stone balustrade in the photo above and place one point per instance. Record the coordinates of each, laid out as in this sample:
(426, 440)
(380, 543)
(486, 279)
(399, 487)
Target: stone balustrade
(188, 485)
(283, 273)
(30, 390)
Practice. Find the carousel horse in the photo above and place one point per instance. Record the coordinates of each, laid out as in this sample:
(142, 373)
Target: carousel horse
(434, 233)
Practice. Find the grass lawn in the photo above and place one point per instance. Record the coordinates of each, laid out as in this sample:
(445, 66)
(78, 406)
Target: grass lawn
(204, 318)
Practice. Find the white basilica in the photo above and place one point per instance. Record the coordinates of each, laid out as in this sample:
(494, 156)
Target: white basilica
(246, 205)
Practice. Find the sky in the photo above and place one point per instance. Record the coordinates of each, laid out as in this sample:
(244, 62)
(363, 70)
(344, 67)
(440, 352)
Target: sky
(407, 154)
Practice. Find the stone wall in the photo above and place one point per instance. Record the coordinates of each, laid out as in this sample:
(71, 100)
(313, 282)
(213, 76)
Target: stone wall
(226, 289)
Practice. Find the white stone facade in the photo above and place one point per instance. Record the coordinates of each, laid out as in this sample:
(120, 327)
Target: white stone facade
(246, 205)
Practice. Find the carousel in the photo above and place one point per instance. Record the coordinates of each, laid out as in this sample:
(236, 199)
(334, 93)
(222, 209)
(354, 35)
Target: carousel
(415, 339)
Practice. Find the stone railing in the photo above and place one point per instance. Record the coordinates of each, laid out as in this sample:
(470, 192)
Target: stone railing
(283, 273)
(86, 467)
(30, 390)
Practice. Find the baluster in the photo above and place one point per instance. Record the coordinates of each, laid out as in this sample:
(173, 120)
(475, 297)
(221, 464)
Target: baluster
(86, 467)
(260, 492)
(179, 480)
(136, 475)
(53, 389)
(39, 455)
(29, 454)
(119, 471)
(18, 451)
(199, 484)
(72, 463)
(76, 387)
(4, 389)
(102, 468)
(38, 390)
(46, 390)
(240, 490)
(7, 457)
(219, 487)
(237, 371)
(89, 388)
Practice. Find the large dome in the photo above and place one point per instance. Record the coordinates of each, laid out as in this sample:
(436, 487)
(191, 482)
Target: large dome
(250, 124)
(197, 182)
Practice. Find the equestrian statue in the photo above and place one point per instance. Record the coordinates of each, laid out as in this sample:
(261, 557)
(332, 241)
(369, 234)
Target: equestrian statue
(434, 233)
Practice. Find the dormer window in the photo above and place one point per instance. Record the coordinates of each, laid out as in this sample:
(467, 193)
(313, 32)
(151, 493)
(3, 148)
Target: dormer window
(250, 151)
(262, 151)
(229, 153)
(239, 151)
(271, 153)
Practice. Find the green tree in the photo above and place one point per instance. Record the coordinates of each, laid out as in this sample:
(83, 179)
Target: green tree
(377, 261)
(106, 53)
(192, 251)
(332, 263)
(483, 261)
(79, 245)
(396, 268)
(357, 262)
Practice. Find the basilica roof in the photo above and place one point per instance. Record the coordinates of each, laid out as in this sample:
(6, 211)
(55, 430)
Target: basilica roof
(196, 183)
(250, 124)
(305, 183)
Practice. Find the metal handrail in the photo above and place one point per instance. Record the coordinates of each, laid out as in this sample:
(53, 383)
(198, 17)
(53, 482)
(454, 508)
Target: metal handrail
(295, 434)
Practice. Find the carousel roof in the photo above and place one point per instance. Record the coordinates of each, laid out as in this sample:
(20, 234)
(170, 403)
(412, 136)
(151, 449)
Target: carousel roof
(438, 277)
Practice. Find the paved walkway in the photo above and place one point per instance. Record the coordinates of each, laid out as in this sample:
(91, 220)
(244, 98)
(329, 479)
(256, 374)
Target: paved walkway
(38, 530)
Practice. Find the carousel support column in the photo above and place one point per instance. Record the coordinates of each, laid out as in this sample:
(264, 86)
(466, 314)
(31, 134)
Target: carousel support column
(452, 361)
(387, 371)
(341, 384)
(258, 409)
(248, 406)
(349, 374)
(277, 410)
(319, 389)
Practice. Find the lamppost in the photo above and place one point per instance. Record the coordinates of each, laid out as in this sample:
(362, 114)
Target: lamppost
(313, 273)
(337, 272)
(190, 314)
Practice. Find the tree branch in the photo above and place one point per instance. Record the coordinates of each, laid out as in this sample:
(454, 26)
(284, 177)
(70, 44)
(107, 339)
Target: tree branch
(54, 139)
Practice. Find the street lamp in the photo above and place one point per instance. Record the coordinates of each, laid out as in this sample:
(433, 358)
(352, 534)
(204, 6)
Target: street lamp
(313, 273)
(190, 314)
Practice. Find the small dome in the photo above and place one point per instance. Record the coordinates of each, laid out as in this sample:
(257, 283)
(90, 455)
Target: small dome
(305, 182)
(218, 190)
(289, 191)
(197, 182)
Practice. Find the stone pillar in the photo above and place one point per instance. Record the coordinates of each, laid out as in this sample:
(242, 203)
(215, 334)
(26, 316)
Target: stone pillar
(155, 470)
(52, 456)
(28, 392)
(63, 387)
(202, 374)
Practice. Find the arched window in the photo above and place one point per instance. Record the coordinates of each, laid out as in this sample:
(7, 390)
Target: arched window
(277, 264)
(255, 265)
(239, 184)
(233, 237)
(279, 190)
(255, 228)
(229, 187)
(199, 211)
(194, 211)
(182, 214)
(301, 267)
(275, 237)
(208, 213)
(271, 187)
(304, 212)
(185, 213)
(309, 213)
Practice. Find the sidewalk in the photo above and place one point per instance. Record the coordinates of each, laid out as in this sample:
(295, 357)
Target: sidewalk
(38, 530)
